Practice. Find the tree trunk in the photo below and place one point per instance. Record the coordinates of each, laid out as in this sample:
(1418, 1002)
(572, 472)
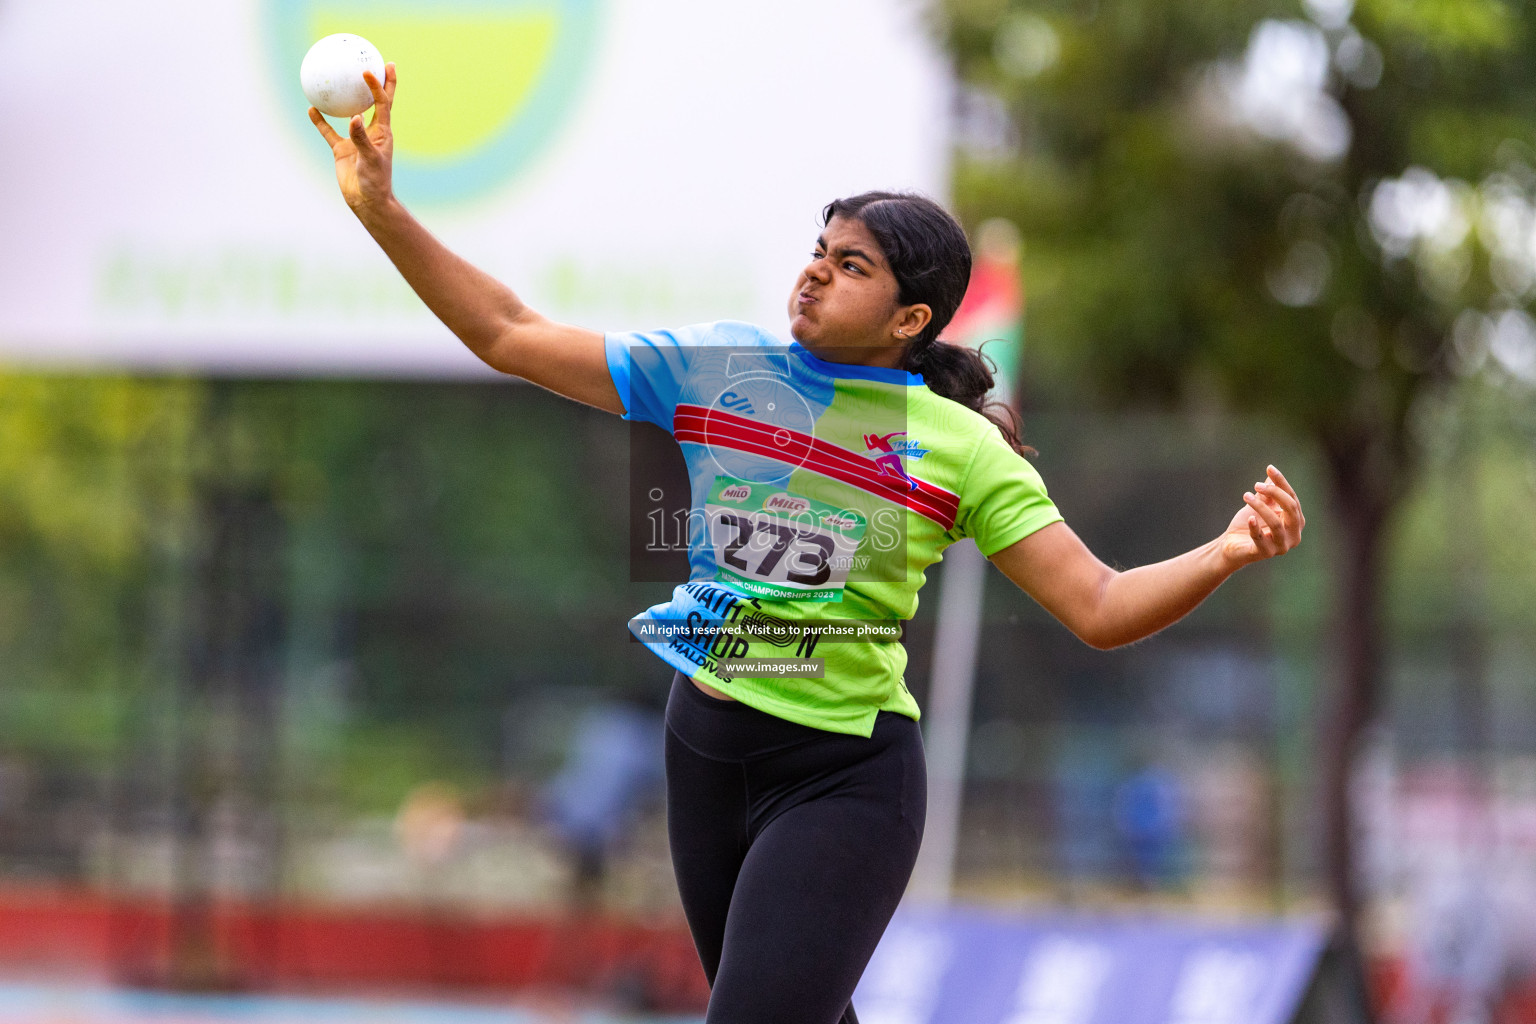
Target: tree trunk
(1362, 500)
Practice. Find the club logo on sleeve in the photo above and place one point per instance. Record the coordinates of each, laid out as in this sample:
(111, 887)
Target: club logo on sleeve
(484, 84)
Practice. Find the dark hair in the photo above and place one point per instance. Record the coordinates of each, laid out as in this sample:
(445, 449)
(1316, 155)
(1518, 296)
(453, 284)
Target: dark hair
(928, 252)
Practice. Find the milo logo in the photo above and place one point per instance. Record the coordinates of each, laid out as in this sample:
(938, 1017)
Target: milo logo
(785, 503)
(736, 492)
(840, 522)
(484, 84)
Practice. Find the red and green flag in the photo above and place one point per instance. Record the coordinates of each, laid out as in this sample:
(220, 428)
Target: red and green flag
(993, 311)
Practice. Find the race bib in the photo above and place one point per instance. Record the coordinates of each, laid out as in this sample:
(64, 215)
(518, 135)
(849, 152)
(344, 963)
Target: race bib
(777, 545)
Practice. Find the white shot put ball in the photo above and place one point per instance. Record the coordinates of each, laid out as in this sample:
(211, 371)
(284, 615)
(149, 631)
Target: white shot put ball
(332, 74)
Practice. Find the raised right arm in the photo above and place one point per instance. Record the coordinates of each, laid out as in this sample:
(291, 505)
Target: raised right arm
(488, 317)
(484, 313)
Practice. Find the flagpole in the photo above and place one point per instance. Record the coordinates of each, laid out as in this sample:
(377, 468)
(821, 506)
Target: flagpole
(948, 719)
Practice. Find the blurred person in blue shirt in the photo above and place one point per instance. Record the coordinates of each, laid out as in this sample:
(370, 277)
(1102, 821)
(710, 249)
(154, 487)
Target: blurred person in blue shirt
(1149, 815)
(612, 770)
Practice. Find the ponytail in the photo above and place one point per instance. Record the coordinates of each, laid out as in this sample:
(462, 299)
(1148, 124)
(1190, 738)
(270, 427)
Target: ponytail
(964, 375)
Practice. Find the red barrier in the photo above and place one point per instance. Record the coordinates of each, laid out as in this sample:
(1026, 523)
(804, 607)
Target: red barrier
(246, 947)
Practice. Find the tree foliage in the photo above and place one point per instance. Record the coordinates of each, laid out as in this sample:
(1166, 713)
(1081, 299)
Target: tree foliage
(1186, 233)
(1321, 213)
(361, 559)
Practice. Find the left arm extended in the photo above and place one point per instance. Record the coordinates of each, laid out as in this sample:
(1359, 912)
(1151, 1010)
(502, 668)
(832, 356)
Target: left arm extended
(1106, 608)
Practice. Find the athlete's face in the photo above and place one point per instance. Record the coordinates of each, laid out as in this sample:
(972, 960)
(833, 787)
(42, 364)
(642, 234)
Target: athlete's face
(845, 306)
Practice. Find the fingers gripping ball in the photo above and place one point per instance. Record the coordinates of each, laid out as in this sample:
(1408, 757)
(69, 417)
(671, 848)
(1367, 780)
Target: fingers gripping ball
(332, 74)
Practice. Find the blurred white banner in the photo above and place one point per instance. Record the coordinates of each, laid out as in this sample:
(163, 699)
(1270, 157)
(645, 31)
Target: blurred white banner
(165, 203)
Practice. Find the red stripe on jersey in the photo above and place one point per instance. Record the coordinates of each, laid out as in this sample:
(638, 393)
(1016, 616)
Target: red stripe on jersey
(699, 425)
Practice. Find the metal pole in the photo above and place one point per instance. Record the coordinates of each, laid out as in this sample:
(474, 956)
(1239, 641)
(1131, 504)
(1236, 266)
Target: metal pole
(948, 719)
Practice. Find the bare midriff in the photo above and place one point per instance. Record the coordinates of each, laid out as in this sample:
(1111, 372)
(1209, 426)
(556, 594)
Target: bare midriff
(712, 691)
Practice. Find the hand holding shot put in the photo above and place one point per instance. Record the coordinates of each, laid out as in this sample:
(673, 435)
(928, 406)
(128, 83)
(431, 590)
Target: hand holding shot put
(364, 155)
(485, 314)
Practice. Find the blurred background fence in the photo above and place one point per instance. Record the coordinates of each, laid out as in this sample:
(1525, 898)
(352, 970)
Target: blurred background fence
(354, 652)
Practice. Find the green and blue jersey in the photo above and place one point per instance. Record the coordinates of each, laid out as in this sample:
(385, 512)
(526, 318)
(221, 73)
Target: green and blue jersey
(821, 494)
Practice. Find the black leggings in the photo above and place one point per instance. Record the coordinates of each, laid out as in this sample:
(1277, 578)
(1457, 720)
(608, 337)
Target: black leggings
(792, 847)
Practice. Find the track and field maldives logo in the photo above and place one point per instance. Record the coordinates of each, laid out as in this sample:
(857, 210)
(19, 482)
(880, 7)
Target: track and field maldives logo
(890, 449)
(485, 85)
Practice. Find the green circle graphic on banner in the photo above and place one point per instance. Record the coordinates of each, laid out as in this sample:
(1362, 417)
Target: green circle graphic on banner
(484, 84)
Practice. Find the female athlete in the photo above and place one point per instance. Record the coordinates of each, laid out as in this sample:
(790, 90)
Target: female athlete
(827, 476)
